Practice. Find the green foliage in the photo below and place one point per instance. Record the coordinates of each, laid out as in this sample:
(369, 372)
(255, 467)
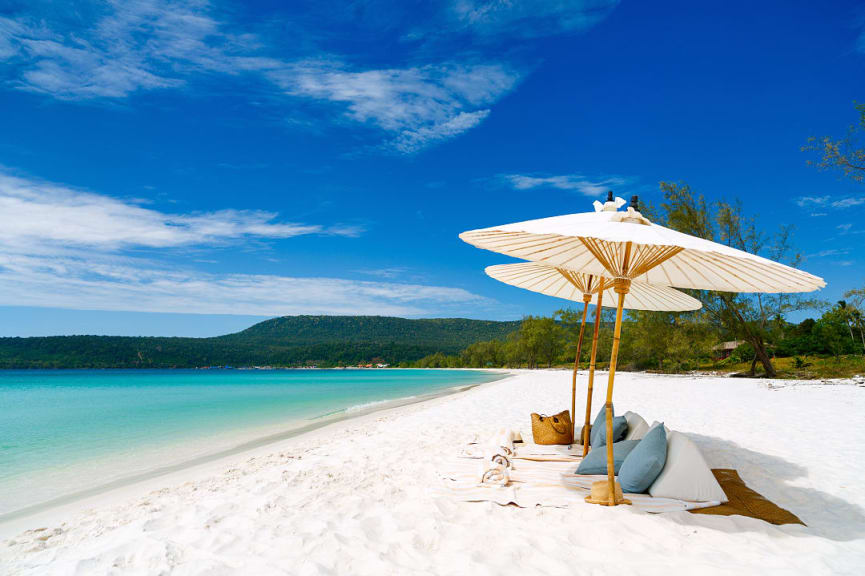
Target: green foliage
(831, 330)
(667, 342)
(834, 333)
(663, 341)
(485, 354)
(744, 353)
(652, 340)
(855, 311)
(846, 154)
(807, 367)
(542, 340)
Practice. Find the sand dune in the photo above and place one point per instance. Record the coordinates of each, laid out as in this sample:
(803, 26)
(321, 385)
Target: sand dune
(357, 497)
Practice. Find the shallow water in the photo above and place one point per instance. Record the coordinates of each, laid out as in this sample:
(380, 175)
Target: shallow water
(65, 431)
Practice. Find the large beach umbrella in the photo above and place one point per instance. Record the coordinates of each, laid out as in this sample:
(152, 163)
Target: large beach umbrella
(577, 287)
(624, 245)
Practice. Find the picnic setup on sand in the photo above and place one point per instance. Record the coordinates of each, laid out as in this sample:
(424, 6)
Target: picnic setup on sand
(620, 259)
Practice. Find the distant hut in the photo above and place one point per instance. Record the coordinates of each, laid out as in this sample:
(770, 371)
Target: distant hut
(725, 349)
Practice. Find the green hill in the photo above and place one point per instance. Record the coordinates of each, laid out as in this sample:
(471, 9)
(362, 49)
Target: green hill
(286, 341)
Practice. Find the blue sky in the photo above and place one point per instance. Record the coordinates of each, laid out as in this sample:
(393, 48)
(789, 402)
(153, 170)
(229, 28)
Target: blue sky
(187, 168)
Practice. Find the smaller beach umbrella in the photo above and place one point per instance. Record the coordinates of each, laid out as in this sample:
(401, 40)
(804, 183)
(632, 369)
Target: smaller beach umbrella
(574, 286)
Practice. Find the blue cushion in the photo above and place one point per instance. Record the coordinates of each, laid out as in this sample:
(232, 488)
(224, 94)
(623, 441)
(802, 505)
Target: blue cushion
(645, 462)
(599, 428)
(597, 425)
(595, 461)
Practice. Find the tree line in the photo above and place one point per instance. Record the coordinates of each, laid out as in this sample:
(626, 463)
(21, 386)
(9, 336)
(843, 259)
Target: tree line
(659, 341)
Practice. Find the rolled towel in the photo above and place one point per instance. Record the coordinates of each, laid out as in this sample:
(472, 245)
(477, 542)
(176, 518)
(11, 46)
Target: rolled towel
(496, 474)
(495, 456)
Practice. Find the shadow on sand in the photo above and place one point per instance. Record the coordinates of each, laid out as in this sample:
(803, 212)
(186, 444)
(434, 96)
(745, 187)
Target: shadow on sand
(825, 515)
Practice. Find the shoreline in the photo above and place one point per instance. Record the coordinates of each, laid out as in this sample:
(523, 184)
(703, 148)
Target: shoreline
(25, 518)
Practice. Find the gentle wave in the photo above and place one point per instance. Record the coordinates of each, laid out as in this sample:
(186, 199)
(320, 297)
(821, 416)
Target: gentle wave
(367, 405)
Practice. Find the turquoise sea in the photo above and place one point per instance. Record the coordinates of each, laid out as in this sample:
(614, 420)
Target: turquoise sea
(70, 433)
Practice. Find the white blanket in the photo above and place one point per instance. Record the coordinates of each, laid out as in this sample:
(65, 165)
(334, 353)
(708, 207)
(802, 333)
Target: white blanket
(544, 484)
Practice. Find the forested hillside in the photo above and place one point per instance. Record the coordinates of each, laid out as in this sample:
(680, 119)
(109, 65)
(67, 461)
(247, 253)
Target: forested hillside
(286, 341)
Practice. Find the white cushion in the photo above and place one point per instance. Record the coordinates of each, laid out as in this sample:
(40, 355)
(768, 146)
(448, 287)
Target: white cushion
(637, 427)
(686, 476)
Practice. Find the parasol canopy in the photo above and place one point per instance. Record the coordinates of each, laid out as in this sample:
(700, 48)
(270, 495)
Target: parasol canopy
(568, 285)
(598, 243)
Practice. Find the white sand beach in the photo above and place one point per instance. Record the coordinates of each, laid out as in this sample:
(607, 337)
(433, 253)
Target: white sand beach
(359, 496)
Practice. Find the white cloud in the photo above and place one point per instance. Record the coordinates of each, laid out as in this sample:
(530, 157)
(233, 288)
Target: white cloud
(410, 141)
(573, 182)
(9, 30)
(388, 273)
(128, 46)
(530, 19)
(112, 50)
(68, 248)
(827, 202)
(829, 252)
(419, 105)
(397, 99)
(158, 44)
(105, 283)
(848, 202)
(804, 201)
(844, 227)
(41, 214)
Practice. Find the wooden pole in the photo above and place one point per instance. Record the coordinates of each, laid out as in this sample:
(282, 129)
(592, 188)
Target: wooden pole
(622, 286)
(586, 299)
(587, 427)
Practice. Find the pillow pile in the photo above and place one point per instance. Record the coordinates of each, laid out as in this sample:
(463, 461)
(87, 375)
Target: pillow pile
(595, 461)
(598, 435)
(645, 462)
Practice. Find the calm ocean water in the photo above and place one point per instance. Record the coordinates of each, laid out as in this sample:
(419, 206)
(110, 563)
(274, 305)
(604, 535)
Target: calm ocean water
(67, 432)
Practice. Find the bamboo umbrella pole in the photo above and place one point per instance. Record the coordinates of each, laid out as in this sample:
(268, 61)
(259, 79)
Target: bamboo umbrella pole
(587, 427)
(586, 299)
(621, 286)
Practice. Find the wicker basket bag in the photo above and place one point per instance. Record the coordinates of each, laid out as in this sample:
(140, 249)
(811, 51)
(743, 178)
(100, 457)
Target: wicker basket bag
(556, 429)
